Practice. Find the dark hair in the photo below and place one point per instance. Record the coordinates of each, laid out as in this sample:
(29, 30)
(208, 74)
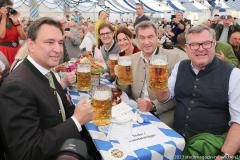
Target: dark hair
(181, 40)
(5, 2)
(103, 25)
(125, 31)
(144, 25)
(36, 25)
(99, 13)
(139, 4)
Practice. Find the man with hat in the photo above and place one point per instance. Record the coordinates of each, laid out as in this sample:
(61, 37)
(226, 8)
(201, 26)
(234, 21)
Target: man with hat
(224, 30)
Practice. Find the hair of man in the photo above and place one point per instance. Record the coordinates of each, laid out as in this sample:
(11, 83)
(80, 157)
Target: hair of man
(145, 24)
(199, 29)
(35, 27)
(5, 3)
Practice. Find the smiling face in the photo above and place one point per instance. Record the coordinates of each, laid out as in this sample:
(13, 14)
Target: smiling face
(106, 36)
(124, 41)
(202, 56)
(47, 48)
(147, 40)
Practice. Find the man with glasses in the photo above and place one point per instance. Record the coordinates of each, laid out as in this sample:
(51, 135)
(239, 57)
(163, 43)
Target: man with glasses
(206, 91)
(106, 41)
(224, 30)
(36, 116)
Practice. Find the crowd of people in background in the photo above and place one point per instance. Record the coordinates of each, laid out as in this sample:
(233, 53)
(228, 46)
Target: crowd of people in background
(48, 43)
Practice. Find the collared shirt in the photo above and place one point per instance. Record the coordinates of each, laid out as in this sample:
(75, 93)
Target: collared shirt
(44, 71)
(233, 91)
(144, 93)
(88, 42)
(2, 66)
(107, 50)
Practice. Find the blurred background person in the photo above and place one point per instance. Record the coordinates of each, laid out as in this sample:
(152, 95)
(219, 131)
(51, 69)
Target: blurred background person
(73, 39)
(215, 21)
(124, 38)
(4, 66)
(89, 40)
(102, 18)
(177, 25)
(140, 14)
(10, 30)
(235, 43)
(224, 51)
(225, 29)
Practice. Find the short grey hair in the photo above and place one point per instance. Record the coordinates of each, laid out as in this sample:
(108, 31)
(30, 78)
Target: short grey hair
(198, 29)
(145, 24)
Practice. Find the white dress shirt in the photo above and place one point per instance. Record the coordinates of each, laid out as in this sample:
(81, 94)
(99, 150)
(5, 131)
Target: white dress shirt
(44, 71)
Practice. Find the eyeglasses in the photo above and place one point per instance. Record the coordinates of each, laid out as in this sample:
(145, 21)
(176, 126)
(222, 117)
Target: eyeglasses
(105, 34)
(205, 45)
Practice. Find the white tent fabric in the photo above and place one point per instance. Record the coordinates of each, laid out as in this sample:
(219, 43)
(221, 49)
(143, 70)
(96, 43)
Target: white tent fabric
(129, 5)
(156, 6)
(176, 4)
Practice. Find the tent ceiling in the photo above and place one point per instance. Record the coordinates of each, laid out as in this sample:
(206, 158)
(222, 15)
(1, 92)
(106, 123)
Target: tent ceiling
(128, 6)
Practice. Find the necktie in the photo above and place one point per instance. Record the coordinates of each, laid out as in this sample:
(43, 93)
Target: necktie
(52, 85)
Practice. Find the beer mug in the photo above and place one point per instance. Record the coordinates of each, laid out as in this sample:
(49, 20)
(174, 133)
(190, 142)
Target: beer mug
(158, 73)
(112, 62)
(124, 70)
(84, 77)
(102, 105)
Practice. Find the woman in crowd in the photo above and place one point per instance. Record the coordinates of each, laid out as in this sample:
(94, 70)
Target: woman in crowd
(10, 30)
(124, 38)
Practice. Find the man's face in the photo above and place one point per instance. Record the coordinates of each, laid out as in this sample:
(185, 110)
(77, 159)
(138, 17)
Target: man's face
(203, 55)
(147, 40)
(179, 15)
(104, 15)
(235, 39)
(47, 49)
(123, 41)
(106, 36)
(227, 20)
(139, 10)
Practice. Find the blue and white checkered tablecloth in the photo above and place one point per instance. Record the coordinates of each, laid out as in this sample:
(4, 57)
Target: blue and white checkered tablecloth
(170, 148)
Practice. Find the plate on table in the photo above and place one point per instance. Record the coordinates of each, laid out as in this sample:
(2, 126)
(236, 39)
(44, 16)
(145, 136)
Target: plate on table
(122, 113)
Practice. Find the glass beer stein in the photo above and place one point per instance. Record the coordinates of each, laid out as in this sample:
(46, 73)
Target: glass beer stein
(83, 77)
(158, 73)
(125, 70)
(112, 62)
(102, 105)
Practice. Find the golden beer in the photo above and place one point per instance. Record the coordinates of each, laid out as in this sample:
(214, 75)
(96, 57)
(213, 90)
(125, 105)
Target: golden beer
(112, 62)
(83, 77)
(102, 106)
(158, 75)
(125, 71)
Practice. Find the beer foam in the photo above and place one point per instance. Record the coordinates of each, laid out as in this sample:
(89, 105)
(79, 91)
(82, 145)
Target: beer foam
(84, 69)
(113, 57)
(124, 62)
(158, 62)
(102, 95)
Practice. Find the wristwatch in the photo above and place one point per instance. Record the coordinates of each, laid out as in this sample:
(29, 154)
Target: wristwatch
(226, 156)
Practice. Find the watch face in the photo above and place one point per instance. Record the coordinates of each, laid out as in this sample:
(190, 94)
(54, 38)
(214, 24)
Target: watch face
(226, 157)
